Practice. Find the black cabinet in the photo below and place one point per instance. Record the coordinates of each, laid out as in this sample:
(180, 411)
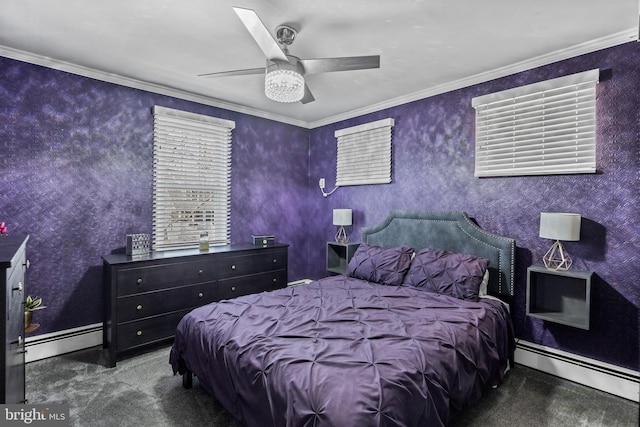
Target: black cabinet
(147, 295)
(339, 255)
(13, 265)
(560, 296)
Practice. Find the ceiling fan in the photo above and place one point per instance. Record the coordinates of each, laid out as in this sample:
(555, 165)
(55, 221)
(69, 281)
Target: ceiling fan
(284, 73)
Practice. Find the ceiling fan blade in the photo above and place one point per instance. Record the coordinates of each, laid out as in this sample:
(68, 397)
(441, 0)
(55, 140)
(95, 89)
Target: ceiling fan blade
(308, 97)
(246, 72)
(260, 34)
(326, 65)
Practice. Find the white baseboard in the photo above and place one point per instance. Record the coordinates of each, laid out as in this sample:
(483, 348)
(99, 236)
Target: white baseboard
(593, 373)
(299, 282)
(57, 343)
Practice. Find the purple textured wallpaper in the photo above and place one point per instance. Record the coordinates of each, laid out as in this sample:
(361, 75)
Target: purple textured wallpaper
(433, 163)
(76, 175)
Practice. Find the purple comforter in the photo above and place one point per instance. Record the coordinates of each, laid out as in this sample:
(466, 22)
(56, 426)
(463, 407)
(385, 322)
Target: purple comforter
(345, 352)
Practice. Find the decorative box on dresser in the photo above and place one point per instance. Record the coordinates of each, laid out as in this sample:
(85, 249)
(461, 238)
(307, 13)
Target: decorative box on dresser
(146, 295)
(13, 265)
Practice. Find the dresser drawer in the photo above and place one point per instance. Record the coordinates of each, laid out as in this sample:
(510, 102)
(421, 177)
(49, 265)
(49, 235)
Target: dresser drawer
(15, 295)
(17, 270)
(138, 306)
(15, 316)
(252, 263)
(14, 374)
(141, 332)
(251, 284)
(151, 278)
(15, 368)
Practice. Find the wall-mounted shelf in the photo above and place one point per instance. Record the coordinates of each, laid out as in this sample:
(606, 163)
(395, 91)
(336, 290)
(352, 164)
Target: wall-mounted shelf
(339, 255)
(559, 296)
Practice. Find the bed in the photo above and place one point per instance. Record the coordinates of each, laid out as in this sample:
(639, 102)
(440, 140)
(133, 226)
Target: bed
(415, 328)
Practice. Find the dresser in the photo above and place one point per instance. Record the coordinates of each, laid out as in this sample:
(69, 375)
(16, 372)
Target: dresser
(146, 295)
(13, 265)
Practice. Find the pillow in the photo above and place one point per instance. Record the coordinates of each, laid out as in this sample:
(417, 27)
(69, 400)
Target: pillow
(447, 273)
(484, 285)
(386, 266)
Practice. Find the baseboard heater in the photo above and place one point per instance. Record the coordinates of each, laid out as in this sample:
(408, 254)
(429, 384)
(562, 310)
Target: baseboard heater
(57, 343)
(299, 282)
(593, 373)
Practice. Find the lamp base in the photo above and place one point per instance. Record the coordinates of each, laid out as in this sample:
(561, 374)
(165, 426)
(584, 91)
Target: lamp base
(556, 258)
(341, 235)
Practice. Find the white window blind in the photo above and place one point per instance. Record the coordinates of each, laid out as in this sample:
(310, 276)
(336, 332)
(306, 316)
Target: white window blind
(191, 178)
(538, 129)
(364, 154)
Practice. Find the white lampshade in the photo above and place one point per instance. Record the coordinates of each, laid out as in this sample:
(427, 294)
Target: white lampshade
(560, 226)
(342, 217)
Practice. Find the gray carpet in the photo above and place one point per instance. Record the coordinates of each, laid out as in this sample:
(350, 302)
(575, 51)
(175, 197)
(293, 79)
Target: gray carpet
(142, 391)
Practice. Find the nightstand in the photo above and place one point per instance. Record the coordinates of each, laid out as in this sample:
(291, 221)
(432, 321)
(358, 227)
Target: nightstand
(559, 296)
(339, 255)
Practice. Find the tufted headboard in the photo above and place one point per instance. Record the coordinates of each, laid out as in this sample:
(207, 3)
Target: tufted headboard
(451, 231)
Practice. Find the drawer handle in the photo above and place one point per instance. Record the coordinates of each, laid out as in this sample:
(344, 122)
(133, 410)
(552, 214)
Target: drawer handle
(233, 288)
(200, 294)
(233, 267)
(200, 271)
(139, 280)
(275, 261)
(20, 287)
(139, 333)
(275, 280)
(139, 307)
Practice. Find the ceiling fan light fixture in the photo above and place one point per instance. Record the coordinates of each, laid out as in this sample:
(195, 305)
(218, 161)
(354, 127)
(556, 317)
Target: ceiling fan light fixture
(284, 82)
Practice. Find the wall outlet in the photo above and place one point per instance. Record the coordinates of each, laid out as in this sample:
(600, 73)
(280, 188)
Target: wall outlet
(321, 183)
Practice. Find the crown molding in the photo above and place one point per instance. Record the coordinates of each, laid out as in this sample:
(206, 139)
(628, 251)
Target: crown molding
(571, 52)
(580, 49)
(80, 70)
(603, 376)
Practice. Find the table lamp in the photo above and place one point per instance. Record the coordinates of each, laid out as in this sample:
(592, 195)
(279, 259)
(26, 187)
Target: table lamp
(342, 217)
(559, 226)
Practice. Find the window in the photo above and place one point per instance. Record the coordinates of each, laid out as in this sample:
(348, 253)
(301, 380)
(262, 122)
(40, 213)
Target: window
(364, 154)
(539, 129)
(191, 178)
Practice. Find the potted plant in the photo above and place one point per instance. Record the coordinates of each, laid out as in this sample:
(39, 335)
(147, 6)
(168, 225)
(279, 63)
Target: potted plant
(31, 305)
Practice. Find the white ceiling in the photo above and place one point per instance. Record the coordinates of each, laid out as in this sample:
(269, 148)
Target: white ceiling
(426, 47)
